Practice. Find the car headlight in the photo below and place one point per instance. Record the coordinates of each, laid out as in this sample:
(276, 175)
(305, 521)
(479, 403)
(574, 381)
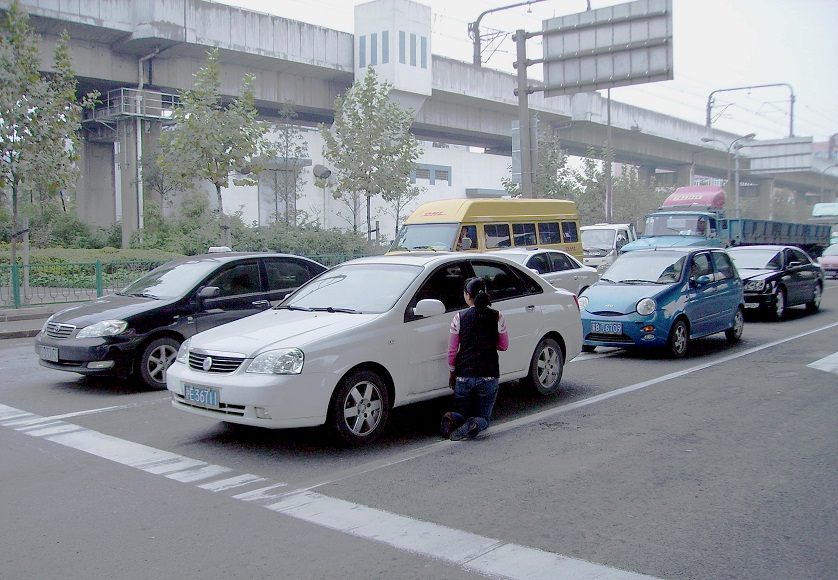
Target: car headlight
(755, 285)
(646, 306)
(288, 361)
(104, 328)
(583, 302)
(183, 352)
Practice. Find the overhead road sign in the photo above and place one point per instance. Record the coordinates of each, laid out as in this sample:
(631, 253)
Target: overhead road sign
(620, 45)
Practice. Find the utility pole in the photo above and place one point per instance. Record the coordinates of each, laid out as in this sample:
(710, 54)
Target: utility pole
(523, 92)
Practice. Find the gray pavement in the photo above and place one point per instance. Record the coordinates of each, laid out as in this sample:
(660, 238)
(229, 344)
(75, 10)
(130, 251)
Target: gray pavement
(26, 322)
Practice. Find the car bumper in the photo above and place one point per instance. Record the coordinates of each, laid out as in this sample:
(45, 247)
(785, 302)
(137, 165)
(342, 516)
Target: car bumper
(830, 272)
(635, 331)
(269, 401)
(755, 301)
(91, 356)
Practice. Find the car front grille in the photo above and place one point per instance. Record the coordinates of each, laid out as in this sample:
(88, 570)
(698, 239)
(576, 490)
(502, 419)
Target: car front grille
(223, 408)
(608, 313)
(217, 364)
(59, 331)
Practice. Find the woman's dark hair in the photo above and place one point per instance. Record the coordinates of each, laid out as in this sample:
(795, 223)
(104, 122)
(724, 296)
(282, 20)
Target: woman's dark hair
(476, 288)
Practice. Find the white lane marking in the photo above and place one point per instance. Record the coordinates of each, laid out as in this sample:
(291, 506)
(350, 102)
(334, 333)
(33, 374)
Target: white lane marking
(828, 364)
(472, 552)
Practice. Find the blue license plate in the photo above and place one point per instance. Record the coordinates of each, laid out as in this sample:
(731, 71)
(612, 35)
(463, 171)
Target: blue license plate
(607, 327)
(201, 396)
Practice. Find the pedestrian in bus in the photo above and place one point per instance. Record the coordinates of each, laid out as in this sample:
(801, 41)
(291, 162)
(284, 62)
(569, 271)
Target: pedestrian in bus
(477, 334)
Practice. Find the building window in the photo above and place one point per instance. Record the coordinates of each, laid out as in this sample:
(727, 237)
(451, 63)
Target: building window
(385, 47)
(424, 54)
(423, 173)
(362, 51)
(432, 173)
(402, 48)
(412, 50)
(373, 48)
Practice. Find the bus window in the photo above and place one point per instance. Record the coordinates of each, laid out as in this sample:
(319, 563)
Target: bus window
(524, 234)
(569, 233)
(549, 232)
(497, 235)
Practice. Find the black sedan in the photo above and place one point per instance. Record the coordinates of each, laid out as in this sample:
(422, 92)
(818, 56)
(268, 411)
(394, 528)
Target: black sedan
(777, 277)
(138, 330)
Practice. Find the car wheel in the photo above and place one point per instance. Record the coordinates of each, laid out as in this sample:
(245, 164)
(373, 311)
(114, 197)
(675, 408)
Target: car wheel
(546, 367)
(158, 355)
(734, 333)
(815, 303)
(359, 408)
(779, 304)
(679, 339)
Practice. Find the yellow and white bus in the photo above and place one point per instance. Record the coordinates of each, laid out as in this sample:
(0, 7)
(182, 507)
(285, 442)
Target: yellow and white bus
(478, 225)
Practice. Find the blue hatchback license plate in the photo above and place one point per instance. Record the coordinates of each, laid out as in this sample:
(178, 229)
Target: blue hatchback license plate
(201, 396)
(607, 327)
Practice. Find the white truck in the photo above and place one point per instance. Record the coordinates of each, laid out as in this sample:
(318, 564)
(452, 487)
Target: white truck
(602, 242)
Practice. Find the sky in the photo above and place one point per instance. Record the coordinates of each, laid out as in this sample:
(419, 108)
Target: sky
(717, 44)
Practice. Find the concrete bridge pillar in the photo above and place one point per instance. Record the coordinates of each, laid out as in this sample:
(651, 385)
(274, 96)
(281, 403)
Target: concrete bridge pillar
(684, 175)
(766, 189)
(646, 173)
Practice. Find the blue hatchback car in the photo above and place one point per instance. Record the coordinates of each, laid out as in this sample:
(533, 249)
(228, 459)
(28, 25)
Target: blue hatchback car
(664, 298)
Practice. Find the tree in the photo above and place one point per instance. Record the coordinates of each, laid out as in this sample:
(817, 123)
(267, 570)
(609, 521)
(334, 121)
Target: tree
(370, 147)
(286, 182)
(211, 141)
(554, 178)
(39, 117)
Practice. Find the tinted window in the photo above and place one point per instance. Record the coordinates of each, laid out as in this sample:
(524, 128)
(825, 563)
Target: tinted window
(445, 285)
(242, 278)
(539, 262)
(701, 265)
(796, 255)
(569, 233)
(501, 281)
(561, 262)
(524, 234)
(549, 233)
(497, 235)
(287, 273)
(723, 265)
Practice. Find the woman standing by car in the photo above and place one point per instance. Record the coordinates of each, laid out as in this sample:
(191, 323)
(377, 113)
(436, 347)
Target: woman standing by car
(477, 334)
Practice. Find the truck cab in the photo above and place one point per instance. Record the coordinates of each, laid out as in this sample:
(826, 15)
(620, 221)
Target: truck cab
(602, 242)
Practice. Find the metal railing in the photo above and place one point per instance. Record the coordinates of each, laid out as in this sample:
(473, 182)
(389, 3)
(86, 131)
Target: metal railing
(39, 284)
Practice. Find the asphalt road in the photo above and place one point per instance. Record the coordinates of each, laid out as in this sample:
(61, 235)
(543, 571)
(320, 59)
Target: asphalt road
(721, 465)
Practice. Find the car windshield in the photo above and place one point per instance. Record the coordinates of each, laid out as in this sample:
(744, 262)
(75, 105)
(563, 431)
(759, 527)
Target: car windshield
(675, 225)
(170, 280)
(641, 267)
(600, 239)
(367, 288)
(756, 259)
(426, 237)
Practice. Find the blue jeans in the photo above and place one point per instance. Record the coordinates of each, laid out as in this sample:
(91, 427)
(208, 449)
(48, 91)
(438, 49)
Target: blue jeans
(475, 397)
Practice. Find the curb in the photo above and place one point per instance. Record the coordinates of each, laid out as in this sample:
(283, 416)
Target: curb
(7, 334)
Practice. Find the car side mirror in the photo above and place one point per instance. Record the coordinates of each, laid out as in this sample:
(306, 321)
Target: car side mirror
(429, 307)
(209, 292)
(703, 280)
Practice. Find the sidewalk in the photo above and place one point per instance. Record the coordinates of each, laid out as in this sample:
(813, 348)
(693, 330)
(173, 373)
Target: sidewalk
(26, 322)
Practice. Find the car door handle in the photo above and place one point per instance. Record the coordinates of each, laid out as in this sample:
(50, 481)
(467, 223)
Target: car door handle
(530, 308)
(261, 303)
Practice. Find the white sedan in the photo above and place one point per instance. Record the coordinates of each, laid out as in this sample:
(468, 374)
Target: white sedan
(366, 336)
(559, 268)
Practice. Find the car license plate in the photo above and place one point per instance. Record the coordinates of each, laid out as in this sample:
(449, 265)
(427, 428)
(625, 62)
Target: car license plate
(607, 327)
(49, 353)
(201, 396)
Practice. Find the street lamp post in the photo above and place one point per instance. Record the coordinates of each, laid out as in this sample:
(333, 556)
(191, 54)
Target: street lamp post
(823, 174)
(474, 28)
(736, 148)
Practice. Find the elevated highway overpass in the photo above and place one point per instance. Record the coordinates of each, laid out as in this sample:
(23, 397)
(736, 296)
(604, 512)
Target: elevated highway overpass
(143, 53)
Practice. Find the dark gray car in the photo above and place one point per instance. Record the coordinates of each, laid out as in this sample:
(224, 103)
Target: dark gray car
(138, 330)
